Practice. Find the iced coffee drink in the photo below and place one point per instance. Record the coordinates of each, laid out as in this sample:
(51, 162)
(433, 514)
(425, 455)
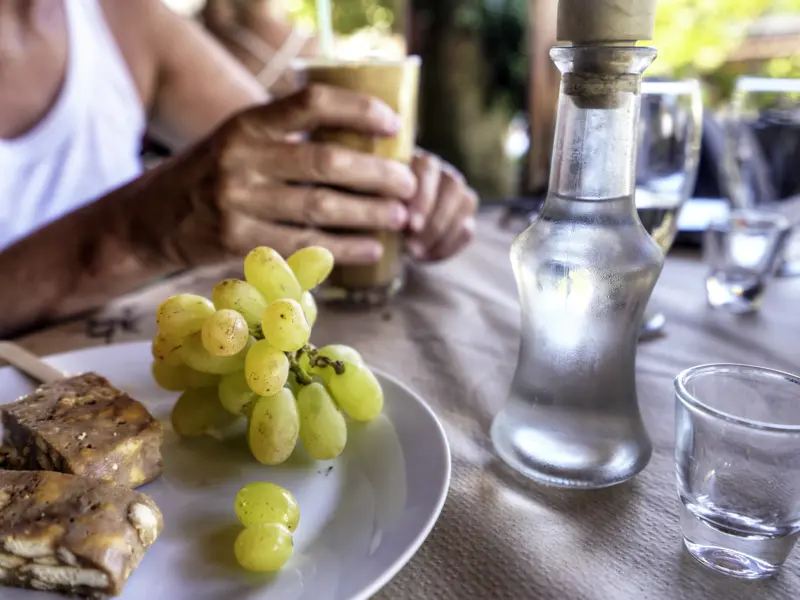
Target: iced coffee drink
(396, 83)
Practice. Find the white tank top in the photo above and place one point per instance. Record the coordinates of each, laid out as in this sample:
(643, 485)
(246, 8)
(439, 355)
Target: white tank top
(87, 144)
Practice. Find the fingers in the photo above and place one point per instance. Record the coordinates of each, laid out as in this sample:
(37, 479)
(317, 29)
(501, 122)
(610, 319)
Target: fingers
(243, 233)
(320, 163)
(318, 206)
(321, 106)
(446, 210)
(451, 224)
(454, 241)
(427, 170)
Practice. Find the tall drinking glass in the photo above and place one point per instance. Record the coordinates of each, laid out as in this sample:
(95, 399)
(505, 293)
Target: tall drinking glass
(395, 82)
(670, 130)
(762, 146)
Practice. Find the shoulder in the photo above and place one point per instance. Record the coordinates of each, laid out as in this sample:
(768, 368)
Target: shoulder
(145, 31)
(188, 82)
(134, 26)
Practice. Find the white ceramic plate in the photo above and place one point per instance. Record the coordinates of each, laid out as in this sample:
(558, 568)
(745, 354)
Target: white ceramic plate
(363, 515)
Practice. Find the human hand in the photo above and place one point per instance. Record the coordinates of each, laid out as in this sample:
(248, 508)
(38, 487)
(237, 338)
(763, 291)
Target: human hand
(255, 183)
(442, 212)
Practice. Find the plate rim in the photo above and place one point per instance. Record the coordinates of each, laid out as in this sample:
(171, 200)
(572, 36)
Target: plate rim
(442, 493)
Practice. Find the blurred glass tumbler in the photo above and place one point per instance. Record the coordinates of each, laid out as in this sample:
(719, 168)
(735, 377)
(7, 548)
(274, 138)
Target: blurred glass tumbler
(737, 454)
(743, 253)
(395, 82)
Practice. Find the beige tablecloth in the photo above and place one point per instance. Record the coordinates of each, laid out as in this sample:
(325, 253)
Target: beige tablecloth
(453, 337)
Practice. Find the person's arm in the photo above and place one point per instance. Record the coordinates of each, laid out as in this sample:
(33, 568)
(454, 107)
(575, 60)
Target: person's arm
(188, 80)
(104, 249)
(235, 190)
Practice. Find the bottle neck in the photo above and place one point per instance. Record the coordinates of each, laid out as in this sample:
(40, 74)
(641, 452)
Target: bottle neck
(594, 152)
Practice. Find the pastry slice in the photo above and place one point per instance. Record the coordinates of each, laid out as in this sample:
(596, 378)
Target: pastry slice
(84, 426)
(73, 535)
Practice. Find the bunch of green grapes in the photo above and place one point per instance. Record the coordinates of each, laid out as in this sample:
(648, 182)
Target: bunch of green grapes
(246, 353)
(270, 515)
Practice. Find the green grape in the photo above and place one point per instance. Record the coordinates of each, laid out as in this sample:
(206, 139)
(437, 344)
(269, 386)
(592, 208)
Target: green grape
(266, 270)
(235, 393)
(242, 297)
(198, 410)
(266, 368)
(183, 315)
(341, 352)
(263, 502)
(198, 379)
(176, 379)
(309, 308)
(284, 325)
(357, 392)
(311, 266)
(167, 350)
(225, 333)
(323, 429)
(168, 377)
(273, 428)
(263, 548)
(196, 356)
(335, 352)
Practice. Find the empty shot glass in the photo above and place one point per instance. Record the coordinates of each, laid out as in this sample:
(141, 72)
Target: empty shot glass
(737, 455)
(743, 252)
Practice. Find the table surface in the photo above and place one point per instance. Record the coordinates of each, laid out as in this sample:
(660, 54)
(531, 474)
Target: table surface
(453, 337)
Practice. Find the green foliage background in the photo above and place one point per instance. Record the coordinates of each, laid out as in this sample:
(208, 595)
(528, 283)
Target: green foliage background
(693, 36)
(350, 16)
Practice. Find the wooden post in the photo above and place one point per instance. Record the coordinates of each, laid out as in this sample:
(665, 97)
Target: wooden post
(454, 119)
(542, 93)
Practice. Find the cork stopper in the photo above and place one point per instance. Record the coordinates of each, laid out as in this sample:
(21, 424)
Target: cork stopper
(605, 21)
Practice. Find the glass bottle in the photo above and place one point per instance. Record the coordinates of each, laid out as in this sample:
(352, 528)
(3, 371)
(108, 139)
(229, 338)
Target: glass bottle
(585, 269)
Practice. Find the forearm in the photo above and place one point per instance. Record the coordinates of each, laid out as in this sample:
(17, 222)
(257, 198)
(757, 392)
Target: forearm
(105, 249)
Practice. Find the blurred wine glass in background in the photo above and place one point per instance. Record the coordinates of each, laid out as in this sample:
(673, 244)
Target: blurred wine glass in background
(762, 148)
(670, 131)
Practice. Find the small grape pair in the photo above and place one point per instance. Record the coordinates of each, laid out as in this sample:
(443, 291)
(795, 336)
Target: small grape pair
(269, 514)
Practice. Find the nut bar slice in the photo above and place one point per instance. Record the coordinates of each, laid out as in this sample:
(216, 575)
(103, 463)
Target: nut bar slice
(73, 535)
(84, 426)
